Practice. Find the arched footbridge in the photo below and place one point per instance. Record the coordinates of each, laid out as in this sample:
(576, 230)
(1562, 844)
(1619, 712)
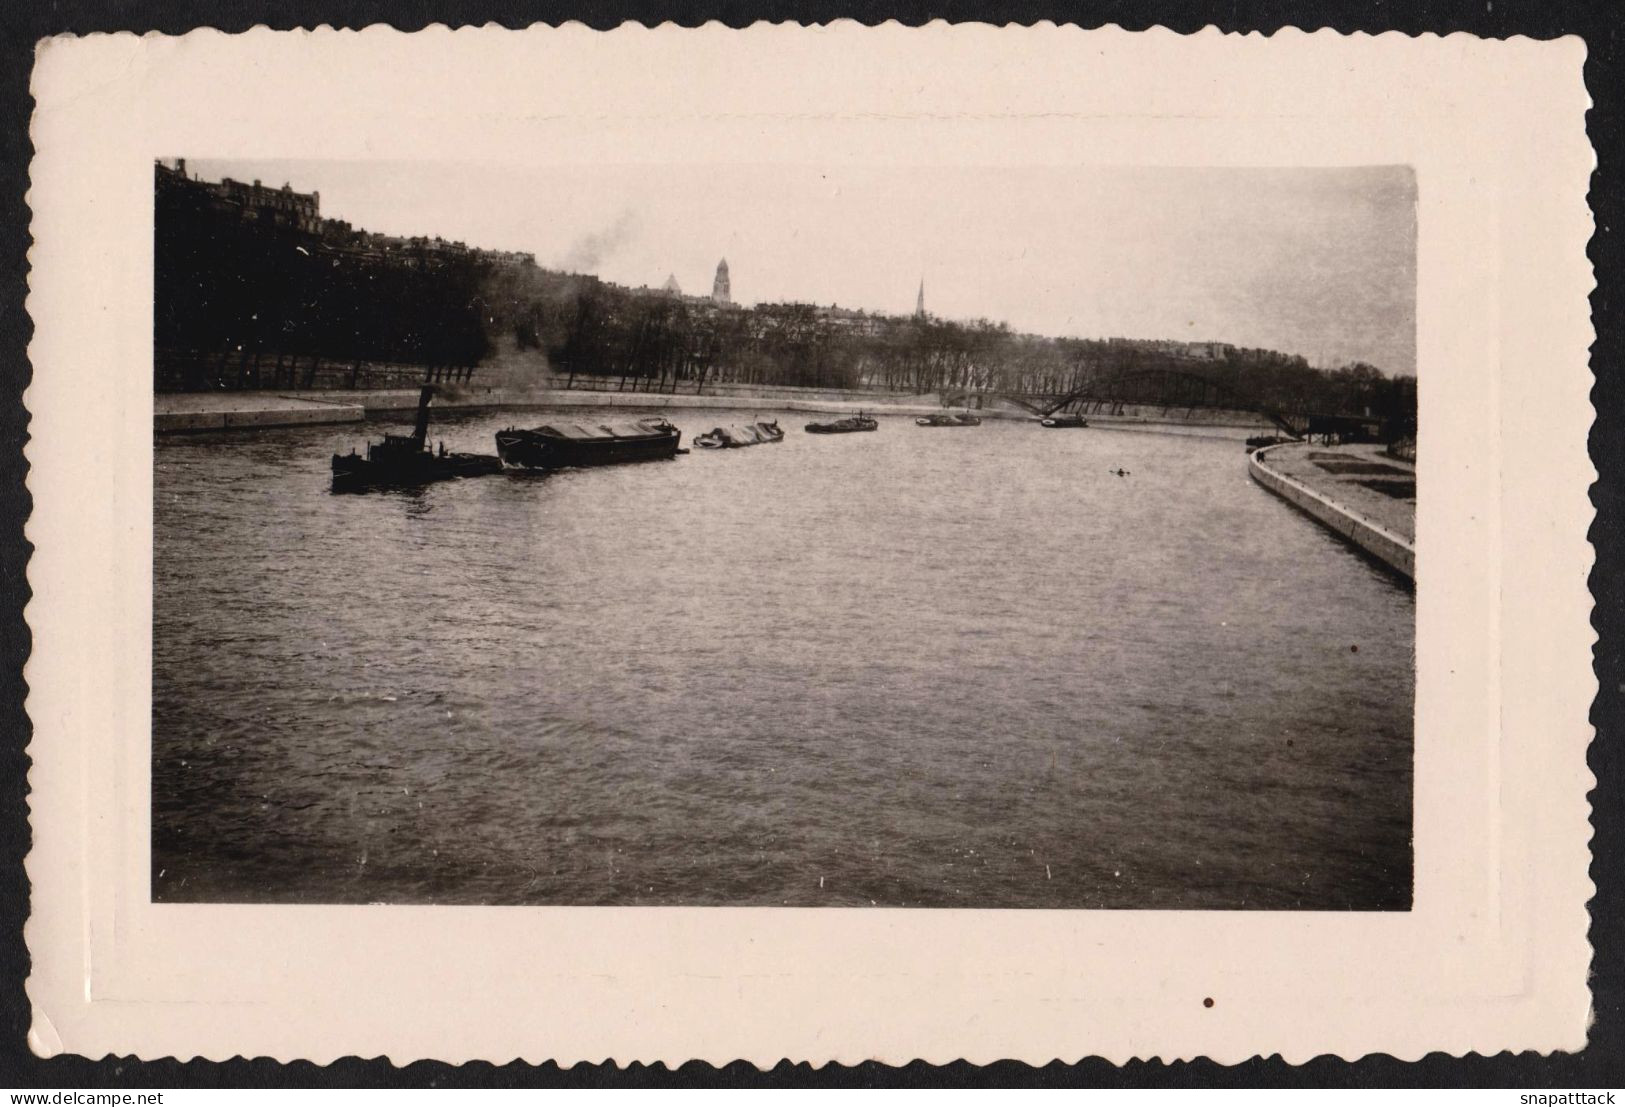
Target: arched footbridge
(1167, 389)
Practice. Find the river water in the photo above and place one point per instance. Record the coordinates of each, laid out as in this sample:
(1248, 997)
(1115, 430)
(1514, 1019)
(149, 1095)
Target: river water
(919, 667)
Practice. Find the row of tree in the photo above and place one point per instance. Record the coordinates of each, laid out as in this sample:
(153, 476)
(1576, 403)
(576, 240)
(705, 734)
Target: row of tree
(648, 339)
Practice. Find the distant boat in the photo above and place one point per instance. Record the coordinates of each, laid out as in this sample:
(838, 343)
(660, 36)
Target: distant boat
(949, 419)
(404, 460)
(858, 422)
(571, 445)
(734, 437)
(1063, 421)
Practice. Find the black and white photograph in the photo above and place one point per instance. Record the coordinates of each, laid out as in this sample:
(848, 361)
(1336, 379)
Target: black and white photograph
(820, 544)
(769, 535)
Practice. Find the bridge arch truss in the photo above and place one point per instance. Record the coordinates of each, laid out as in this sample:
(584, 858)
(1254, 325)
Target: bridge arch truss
(1167, 389)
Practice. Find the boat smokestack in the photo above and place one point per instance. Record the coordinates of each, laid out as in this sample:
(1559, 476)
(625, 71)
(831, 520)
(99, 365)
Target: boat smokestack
(420, 429)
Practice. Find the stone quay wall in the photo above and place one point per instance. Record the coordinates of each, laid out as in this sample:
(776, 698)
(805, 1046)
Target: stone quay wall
(1392, 549)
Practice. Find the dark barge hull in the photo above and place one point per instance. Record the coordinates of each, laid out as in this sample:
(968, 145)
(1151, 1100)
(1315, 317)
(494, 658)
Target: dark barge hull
(838, 428)
(352, 472)
(568, 447)
(738, 437)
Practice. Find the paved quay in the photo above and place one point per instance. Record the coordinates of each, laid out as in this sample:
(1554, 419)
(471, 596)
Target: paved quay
(213, 411)
(1357, 490)
(180, 412)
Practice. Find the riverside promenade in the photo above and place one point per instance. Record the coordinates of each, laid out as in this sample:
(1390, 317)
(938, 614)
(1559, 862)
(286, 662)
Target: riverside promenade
(182, 412)
(1357, 490)
(192, 412)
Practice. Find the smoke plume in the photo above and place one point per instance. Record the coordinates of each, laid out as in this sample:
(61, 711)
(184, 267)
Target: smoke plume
(589, 251)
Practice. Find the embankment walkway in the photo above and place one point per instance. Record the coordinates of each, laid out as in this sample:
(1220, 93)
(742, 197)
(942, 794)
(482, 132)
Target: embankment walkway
(175, 412)
(179, 412)
(1358, 491)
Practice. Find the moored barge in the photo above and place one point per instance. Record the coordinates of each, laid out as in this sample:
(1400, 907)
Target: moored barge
(569, 445)
(858, 422)
(734, 437)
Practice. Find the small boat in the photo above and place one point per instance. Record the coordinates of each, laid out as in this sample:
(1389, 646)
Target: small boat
(949, 419)
(734, 437)
(1259, 441)
(569, 445)
(1059, 420)
(858, 422)
(404, 460)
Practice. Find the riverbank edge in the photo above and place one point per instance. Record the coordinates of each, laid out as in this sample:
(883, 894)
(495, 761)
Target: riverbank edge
(1379, 542)
(289, 410)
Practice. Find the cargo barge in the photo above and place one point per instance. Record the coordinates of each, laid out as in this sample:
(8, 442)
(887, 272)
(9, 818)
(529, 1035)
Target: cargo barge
(572, 445)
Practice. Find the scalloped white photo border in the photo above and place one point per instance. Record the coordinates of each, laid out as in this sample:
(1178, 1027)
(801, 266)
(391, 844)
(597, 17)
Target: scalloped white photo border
(1493, 956)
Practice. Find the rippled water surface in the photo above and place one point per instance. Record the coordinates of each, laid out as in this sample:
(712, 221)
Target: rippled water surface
(922, 667)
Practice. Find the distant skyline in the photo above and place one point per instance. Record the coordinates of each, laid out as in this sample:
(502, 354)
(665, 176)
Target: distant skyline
(1317, 262)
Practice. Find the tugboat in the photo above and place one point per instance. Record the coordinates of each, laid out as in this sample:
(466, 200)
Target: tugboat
(1059, 420)
(732, 438)
(949, 419)
(404, 460)
(858, 422)
(568, 445)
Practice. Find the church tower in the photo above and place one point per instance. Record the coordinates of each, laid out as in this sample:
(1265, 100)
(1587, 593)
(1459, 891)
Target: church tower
(721, 291)
(919, 302)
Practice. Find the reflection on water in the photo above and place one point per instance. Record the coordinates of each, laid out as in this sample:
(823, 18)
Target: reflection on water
(923, 667)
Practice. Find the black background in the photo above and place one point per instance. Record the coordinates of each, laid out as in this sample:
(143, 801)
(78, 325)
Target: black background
(1601, 25)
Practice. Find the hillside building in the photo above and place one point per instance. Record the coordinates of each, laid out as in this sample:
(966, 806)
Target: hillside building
(283, 209)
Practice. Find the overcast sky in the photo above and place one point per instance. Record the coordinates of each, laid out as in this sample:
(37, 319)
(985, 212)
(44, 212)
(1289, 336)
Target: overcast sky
(1318, 262)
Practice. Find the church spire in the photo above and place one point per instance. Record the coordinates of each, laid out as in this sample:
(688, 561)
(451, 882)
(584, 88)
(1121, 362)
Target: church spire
(721, 288)
(919, 303)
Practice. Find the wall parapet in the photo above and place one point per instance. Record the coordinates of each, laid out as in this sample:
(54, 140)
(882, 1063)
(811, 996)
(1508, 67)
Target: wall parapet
(1393, 550)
